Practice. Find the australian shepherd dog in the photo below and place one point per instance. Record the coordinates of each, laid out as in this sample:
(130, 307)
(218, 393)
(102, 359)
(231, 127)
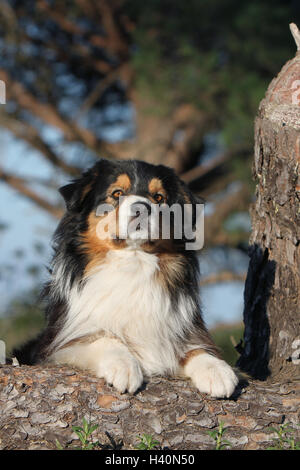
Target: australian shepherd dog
(126, 307)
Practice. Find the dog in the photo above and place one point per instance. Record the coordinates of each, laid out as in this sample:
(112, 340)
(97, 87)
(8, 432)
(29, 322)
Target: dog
(126, 307)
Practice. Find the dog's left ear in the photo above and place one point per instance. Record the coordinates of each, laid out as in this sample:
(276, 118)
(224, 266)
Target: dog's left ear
(76, 193)
(70, 193)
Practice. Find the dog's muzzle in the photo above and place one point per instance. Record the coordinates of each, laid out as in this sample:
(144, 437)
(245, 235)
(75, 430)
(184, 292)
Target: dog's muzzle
(137, 219)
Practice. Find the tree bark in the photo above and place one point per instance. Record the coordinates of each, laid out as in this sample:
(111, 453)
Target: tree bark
(272, 290)
(39, 405)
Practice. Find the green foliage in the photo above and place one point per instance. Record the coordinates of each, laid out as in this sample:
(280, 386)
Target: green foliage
(84, 433)
(22, 320)
(285, 439)
(217, 435)
(147, 442)
(219, 56)
(166, 82)
(58, 445)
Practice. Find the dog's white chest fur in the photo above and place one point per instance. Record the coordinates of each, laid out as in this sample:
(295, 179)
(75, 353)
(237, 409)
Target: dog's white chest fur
(123, 296)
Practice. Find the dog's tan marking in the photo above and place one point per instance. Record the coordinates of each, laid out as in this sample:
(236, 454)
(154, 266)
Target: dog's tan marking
(171, 268)
(190, 354)
(88, 339)
(156, 186)
(171, 264)
(122, 182)
(95, 247)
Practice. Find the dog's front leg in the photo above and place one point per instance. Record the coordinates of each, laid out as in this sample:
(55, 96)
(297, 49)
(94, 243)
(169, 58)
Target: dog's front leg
(209, 373)
(106, 357)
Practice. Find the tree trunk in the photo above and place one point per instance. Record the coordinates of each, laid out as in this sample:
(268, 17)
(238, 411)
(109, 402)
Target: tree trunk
(39, 405)
(272, 290)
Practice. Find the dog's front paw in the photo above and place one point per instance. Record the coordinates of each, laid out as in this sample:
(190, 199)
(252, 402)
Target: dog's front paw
(121, 370)
(211, 375)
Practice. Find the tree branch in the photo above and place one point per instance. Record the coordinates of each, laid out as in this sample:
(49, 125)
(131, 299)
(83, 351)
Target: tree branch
(28, 133)
(237, 200)
(48, 113)
(116, 40)
(40, 405)
(201, 170)
(19, 184)
(99, 89)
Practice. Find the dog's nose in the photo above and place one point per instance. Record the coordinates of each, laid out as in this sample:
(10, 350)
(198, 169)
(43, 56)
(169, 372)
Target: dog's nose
(140, 208)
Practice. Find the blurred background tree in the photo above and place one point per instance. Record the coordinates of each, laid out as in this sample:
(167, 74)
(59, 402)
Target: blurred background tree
(164, 81)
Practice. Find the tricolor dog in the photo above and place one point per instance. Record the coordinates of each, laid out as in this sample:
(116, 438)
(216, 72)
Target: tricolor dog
(125, 306)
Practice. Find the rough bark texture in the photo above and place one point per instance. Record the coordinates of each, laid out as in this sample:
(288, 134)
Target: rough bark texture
(39, 405)
(272, 290)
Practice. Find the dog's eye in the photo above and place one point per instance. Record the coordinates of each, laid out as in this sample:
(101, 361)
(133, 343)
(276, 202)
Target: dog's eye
(158, 197)
(117, 193)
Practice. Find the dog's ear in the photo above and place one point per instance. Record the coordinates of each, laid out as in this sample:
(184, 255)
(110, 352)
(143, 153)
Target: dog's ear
(67, 191)
(71, 194)
(76, 192)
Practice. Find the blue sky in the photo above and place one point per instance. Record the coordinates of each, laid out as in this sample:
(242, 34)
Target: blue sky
(26, 225)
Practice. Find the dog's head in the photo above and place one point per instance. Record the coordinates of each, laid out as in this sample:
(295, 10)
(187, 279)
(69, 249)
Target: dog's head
(123, 204)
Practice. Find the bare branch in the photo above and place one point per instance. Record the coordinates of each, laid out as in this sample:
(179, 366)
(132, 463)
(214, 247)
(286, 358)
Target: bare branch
(48, 113)
(19, 184)
(237, 200)
(28, 133)
(59, 18)
(201, 170)
(99, 89)
(116, 41)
